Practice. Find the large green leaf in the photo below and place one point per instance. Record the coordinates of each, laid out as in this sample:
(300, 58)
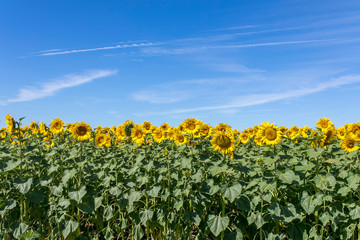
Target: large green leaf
(355, 213)
(217, 224)
(307, 203)
(154, 192)
(35, 196)
(108, 213)
(288, 176)
(70, 227)
(231, 192)
(19, 229)
(146, 215)
(23, 186)
(78, 195)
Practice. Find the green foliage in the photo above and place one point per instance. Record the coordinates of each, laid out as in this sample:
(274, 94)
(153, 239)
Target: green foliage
(80, 191)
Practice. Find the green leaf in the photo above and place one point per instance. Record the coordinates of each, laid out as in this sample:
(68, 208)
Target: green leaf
(86, 207)
(231, 192)
(355, 213)
(154, 192)
(178, 204)
(194, 217)
(146, 215)
(78, 195)
(344, 191)
(215, 170)
(243, 203)
(19, 229)
(217, 224)
(57, 190)
(138, 232)
(288, 176)
(11, 165)
(297, 232)
(115, 191)
(97, 202)
(307, 203)
(134, 196)
(108, 213)
(314, 153)
(24, 187)
(70, 227)
(68, 174)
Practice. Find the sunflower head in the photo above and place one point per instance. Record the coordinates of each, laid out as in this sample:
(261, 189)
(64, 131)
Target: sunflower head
(270, 134)
(164, 127)
(205, 130)
(349, 144)
(158, 135)
(244, 137)
(34, 127)
(100, 139)
(57, 126)
(223, 142)
(341, 132)
(180, 139)
(138, 135)
(10, 122)
(324, 123)
(81, 131)
(191, 125)
(146, 126)
(223, 127)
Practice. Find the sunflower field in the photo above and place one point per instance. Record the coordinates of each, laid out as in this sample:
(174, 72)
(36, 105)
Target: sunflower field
(193, 181)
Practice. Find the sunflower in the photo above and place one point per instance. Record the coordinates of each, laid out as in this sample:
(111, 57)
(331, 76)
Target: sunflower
(98, 129)
(223, 142)
(328, 136)
(354, 129)
(81, 131)
(180, 139)
(146, 126)
(138, 135)
(164, 127)
(244, 137)
(10, 122)
(181, 128)
(158, 135)
(69, 127)
(304, 131)
(205, 130)
(341, 133)
(100, 139)
(120, 133)
(171, 133)
(191, 125)
(283, 130)
(348, 144)
(57, 126)
(2, 133)
(223, 127)
(270, 134)
(43, 128)
(34, 127)
(293, 132)
(324, 123)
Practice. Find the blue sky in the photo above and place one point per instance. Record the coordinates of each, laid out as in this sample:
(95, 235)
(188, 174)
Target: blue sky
(239, 62)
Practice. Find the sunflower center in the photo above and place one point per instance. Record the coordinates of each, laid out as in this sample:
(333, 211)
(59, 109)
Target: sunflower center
(139, 135)
(324, 124)
(223, 141)
(81, 130)
(101, 139)
(350, 144)
(191, 126)
(181, 138)
(270, 134)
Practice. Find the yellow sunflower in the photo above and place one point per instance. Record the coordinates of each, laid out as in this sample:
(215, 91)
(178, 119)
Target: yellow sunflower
(158, 135)
(100, 139)
(69, 127)
(43, 128)
(283, 130)
(57, 126)
(146, 126)
(328, 136)
(293, 132)
(164, 127)
(270, 134)
(205, 130)
(223, 142)
(10, 122)
(244, 137)
(341, 133)
(223, 127)
(191, 125)
(34, 127)
(2, 133)
(304, 131)
(81, 131)
(354, 129)
(348, 144)
(138, 135)
(171, 133)
(324, 123)
(180, 139)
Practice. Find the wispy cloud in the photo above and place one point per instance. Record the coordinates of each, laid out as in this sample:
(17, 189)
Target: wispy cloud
(51, 53)
(258, 99)
(47, 89)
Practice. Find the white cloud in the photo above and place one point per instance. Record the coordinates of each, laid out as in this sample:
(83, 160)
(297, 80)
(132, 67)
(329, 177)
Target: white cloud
(50, 53)
(50, 88)
(258, 99)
